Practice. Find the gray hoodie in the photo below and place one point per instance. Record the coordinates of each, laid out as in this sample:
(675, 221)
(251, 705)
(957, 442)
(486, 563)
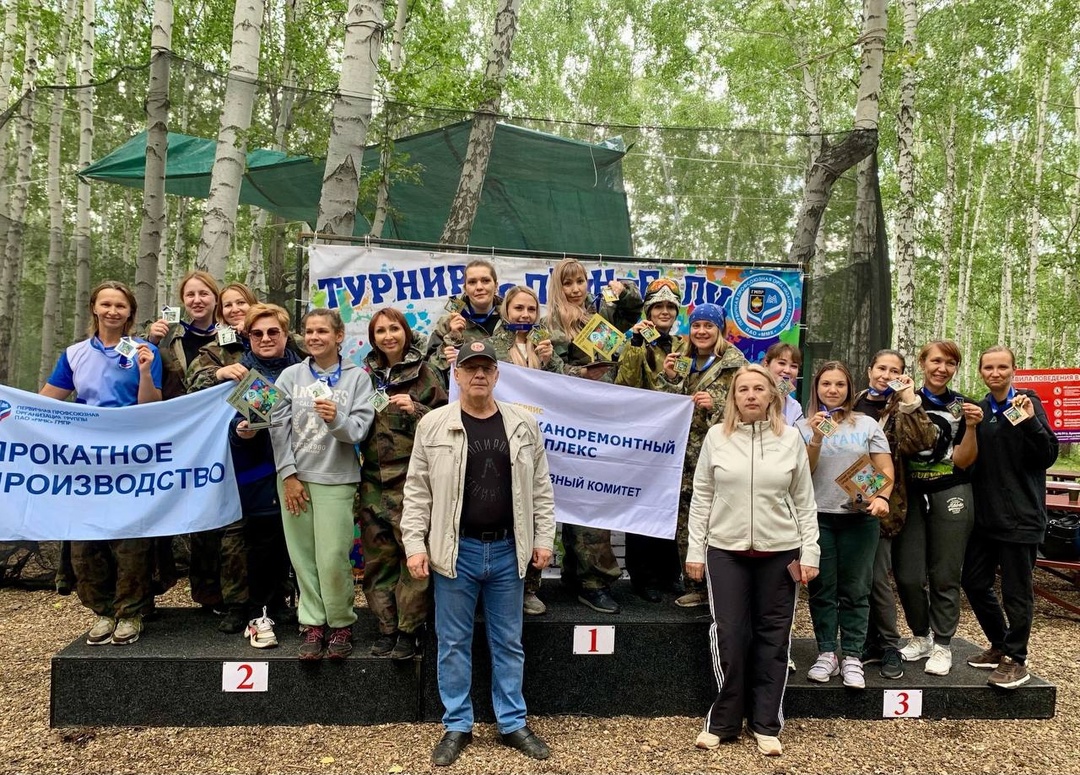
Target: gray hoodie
(306, 445)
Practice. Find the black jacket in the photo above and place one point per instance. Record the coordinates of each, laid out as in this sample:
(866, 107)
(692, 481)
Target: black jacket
(1009, 476)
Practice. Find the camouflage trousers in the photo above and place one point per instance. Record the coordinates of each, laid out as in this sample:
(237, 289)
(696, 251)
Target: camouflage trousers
(532, 579)
(399, 601)
(588, 562)
(218, 569)
(112, 577)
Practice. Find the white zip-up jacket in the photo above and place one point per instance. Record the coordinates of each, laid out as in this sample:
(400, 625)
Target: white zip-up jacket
(431, 513)
(753, 490)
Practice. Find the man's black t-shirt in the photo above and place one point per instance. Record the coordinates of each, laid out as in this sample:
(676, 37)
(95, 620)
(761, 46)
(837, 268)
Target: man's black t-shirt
(487, 503)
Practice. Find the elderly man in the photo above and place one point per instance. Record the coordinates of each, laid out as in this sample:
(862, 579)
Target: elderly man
(478, 508)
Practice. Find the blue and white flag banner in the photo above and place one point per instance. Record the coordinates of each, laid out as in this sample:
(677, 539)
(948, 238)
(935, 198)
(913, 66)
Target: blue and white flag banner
(75, 472)
(615, 452)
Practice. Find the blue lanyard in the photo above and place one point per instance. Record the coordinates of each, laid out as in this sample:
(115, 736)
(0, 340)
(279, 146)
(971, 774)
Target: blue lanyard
(995, 406)
(515, 327)
(329, 379)
(693, 364)
(191, 328)
(829, 412)
(468, 314)
(880, 393)
(110, 352)
(949, 397)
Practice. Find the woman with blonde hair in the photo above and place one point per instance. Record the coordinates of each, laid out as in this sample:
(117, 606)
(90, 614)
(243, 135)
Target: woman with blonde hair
(754, 538)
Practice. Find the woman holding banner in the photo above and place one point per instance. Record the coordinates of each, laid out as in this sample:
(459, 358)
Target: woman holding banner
(325, 409)
(589, 564)
(753, 535)
(471, 316)
(704, 373)
(411, 389)
(112, 577)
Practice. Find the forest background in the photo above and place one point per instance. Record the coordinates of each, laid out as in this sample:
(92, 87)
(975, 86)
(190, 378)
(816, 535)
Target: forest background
(725, 106)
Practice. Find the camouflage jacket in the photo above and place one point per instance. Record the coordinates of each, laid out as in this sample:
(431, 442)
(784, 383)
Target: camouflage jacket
(202, 372)
(503, 342)
(433, 354)
(716, 381)
(641, 365)
(389, 443)
(174, 363)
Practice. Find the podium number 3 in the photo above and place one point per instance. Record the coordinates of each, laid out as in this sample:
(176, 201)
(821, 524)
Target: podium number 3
(244, 676)
(902, 703)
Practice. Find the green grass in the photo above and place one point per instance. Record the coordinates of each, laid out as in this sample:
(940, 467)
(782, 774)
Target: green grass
(1068, 458)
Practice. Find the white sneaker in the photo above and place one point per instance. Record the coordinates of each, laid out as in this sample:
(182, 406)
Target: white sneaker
(102, 631)
(824, 669)
(768, 744)
(852, 672)
(940, 660)
(707, 741)
(917, 648)
(260, 632)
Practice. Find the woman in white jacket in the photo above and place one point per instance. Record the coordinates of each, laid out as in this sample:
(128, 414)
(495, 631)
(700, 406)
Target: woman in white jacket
(753, 534)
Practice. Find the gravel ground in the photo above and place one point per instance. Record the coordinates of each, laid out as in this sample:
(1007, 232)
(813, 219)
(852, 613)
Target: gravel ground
(38, 624)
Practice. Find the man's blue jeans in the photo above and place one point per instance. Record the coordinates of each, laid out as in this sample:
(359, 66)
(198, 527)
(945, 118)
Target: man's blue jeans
(490, 568)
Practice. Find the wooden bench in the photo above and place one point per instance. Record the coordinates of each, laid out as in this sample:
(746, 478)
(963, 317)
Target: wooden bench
(1064, 569)
(1063, 476)
(1071, 489)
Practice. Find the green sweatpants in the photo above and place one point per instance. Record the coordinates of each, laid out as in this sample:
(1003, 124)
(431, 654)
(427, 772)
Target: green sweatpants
(319, 539)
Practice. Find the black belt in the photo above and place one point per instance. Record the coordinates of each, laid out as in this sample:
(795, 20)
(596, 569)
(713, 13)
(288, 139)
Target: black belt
(487, 536)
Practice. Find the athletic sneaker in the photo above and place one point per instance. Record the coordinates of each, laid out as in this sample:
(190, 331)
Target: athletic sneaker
(824, 669)
(940, 660)
(311, 646)
(892, 665)
(918, 648)
(1009, 674)
(707, 741)
(102, 631)
(260, 632)
(339, 644)
(693, 599)
(127, 630)
(986, 660)
(852, 673)
(770, 744)
(532, 605)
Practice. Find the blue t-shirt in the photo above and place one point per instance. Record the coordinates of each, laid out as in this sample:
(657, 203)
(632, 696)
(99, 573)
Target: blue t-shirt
(99, 375)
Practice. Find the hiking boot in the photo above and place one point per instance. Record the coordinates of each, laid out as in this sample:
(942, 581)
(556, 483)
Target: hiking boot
(532, 605)
(260, 632)
(824, 668)
(339, 644)
(233, 620)
(917, 648)
(940, 660)
(892, 665)
(127, 631)
(311, 646)
(102, 631)
(405, 647)
(384, 644)
(986, 660)
(852, 673)
(693, 599)
(599, 600)
(707, 741)
(770, 744)
(1009, 674)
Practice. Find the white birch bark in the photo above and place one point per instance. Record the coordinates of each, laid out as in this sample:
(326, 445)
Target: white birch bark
(1031, 294)
(904, 323)
(963, 301)
(948, 214)
(1074, 209)
(736, 207)
(352, 115)
(230, 158)
(55, 196)
(382, 198)
(965, 219)
(7, 53)
(478, 152)
(152, 223)
(86, 153)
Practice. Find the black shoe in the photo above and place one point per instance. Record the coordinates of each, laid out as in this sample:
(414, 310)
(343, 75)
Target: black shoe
(648, 594)
(383, 645)
(450, 747)
(892, 665)
(871, 655)
(405, 648)
(233, 621)
(599, 600)
(528, 743)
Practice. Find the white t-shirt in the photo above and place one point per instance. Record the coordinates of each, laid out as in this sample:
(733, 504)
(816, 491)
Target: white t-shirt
(857, 436)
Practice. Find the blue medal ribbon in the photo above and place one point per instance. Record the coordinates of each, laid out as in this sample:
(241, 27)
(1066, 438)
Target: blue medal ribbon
(829, 412)
(191, 328)
(330, 379)
(947, 397)
(476, 318)
(880, 393)
(110, 352)
(693, 364)
(516, 327)
(997, 408)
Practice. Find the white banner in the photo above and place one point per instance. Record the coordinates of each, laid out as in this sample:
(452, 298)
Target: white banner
(615, 452)
(74, 472)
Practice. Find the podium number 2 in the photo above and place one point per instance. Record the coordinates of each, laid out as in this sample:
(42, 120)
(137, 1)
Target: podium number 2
(902, 703)
(594, 639)
(244, 676)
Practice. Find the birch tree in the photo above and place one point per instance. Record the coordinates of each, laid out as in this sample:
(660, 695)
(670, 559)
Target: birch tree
(152, 223)
(948, 219)
(230, 158)
(478, 152)
(352, 115)
(382, 197)
(1031, 295)
(86, 152)
(904, 322)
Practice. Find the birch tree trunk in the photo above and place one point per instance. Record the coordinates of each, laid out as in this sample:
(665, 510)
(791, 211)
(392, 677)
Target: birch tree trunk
(230, 158)
(963, 301)
(352, 115)
(24, 146)
(54, 263)
(1074, 209)
(7, 67)
(152, 225)
(86, 153)
(1031, 295)
(904, 321)
(473, 170)
(948, 215)
(382, 199)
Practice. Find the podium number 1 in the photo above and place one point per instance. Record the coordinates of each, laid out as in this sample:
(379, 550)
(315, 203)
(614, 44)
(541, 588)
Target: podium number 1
(244, 676)
(902, 703)
(594, 639)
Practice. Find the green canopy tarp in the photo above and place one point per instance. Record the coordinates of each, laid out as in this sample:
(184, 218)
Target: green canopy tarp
(542, 192)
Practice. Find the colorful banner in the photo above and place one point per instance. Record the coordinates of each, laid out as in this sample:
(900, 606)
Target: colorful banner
(74, 472)
(763, 306)
(607, 472)
(1059, 392)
